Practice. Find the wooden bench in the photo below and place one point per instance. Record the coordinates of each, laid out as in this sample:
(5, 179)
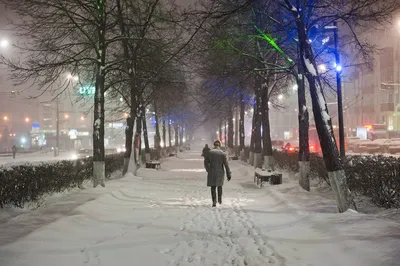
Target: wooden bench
(234, 158)
(153, 165)
(262, 176)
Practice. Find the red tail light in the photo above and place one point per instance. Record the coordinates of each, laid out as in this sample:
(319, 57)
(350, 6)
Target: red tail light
(291, 149)
(311, 147)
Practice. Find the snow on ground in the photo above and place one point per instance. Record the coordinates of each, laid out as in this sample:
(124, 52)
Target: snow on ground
(165, 218)
(33, 158)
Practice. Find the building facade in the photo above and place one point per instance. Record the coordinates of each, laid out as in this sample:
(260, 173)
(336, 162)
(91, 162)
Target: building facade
(374, 92)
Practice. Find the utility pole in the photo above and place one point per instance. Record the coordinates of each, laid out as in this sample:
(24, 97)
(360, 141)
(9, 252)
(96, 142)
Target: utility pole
(339, 91)
(57, 128)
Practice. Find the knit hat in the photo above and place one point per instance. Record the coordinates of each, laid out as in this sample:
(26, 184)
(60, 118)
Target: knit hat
(217, 143)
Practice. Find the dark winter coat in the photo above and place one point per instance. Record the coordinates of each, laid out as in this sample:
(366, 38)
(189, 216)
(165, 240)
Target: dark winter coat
(216, 164)
(205, 150)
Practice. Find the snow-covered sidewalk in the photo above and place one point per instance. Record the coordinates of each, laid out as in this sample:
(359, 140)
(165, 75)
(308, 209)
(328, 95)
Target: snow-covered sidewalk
(165, 218)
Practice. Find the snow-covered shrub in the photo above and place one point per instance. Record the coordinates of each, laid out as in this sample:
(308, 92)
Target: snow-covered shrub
(376, 177)
(287, 161)
(114, 162)
(28, 183)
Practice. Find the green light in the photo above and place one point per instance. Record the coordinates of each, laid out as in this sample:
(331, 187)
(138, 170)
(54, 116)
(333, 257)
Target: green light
(272, 42)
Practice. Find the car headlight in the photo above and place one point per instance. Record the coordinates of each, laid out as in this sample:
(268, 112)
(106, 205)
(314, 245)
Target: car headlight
(74, 157)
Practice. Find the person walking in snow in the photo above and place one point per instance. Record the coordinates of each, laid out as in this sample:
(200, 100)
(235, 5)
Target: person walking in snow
(14, 151)
(215, 161)
(205, 150)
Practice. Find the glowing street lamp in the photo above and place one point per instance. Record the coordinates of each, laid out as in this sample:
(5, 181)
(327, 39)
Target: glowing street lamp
(66, 116)
(27, 120)
(82, 118)
(5, 118)
(322, 68)
(280, 97)
(71, 77)
(4, 43)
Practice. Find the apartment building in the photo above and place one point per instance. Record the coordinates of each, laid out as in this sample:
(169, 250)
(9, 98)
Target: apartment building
(374, 92)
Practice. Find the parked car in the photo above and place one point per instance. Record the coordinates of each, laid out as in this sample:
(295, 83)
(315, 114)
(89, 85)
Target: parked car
(383, 146)
(82, 153)
(291, 146)
(394, 146)
(361, 145)
(377, 146)
(351, 142)
(277, 144)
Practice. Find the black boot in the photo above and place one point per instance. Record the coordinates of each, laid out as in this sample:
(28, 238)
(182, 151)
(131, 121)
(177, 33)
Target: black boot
(213, 196)
(220, 195)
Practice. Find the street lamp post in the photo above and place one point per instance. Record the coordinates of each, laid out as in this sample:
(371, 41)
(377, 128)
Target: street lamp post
(339, 92)
(338, 69)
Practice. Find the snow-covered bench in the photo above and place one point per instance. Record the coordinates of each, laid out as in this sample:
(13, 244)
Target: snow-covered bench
(261, 176)
(234, 158)
(153, 165)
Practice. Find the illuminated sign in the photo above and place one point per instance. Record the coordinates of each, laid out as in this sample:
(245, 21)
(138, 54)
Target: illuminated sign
(86, 90)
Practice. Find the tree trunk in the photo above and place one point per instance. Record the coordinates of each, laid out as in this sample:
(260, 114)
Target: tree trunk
(157, 143)
(164, 132)
(241, 123)
(170, 134)
(257, 129)
(176, 129)
(253, 128)
(266, 134)
(242, 132)
(220, 130)
(98, 125)
(237, 130)
(230, 131)
(323, 123)
(133, 92)
(128, 141)
(181, 132)
(304, 149)
(138, 136)
(225, 134)
(147, 151)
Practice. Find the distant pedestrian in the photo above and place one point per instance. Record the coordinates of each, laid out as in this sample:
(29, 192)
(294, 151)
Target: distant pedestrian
(216, 165)
(205, 150)
(14, 150)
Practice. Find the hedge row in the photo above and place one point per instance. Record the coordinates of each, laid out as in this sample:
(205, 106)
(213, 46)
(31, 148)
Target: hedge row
(376, 177)
(26, 183)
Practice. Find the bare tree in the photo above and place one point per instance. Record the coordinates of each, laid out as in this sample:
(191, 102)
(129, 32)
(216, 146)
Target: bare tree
(304, 16)
(66, 36)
